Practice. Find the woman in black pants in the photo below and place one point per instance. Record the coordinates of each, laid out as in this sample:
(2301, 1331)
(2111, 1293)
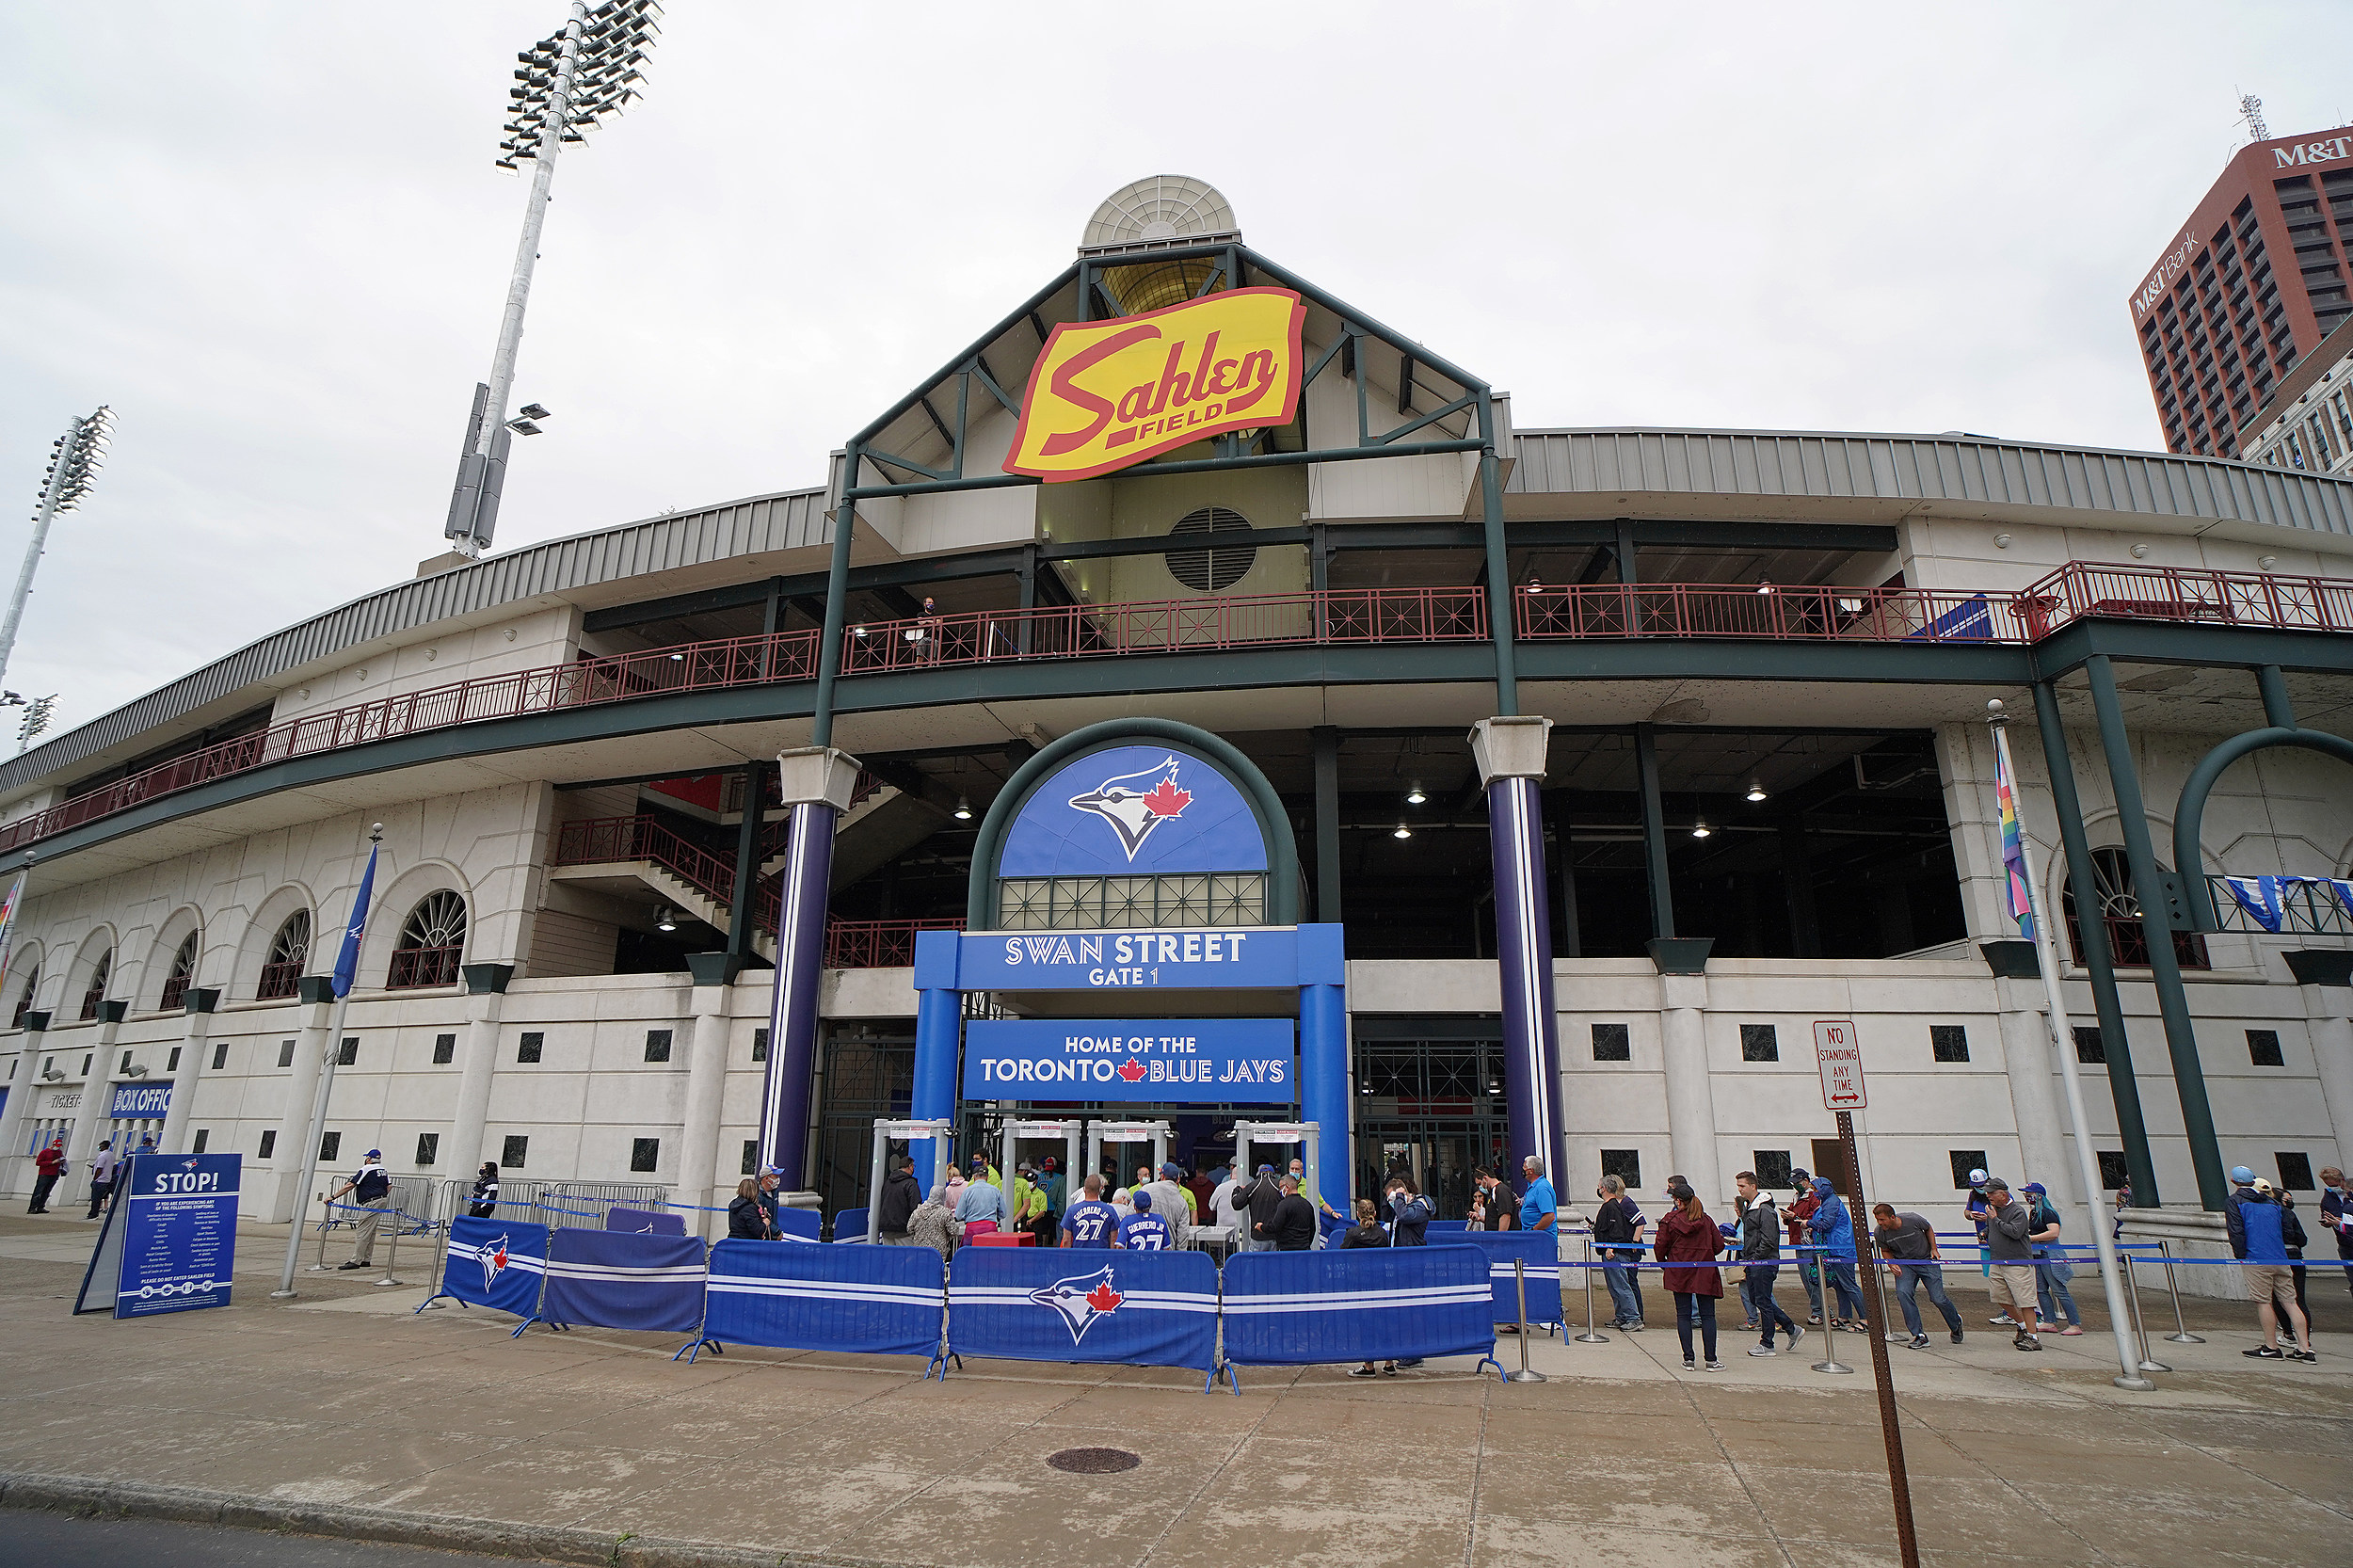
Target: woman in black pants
(1687, 1236)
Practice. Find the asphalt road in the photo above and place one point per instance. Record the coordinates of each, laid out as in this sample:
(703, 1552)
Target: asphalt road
(31, 1539)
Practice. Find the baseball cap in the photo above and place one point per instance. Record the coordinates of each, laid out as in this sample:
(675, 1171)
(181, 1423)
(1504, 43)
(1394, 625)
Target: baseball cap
(1996, 1184)
(1172, 1170)
(1049, 1163)
(376, 1154)
(2241, 1174)
(1976, 1177)
(1800, 1175)
(2261, 1186)
(1142, 1202)
(1266, 1170)
(2037, 1188)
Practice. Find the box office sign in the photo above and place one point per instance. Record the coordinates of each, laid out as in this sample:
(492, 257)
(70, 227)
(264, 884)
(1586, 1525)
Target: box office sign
(139, 1101)
(1108, 393)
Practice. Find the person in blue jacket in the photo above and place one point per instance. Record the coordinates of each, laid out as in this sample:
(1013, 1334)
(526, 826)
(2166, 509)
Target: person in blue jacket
(2259, 1242)
(1833, 1229)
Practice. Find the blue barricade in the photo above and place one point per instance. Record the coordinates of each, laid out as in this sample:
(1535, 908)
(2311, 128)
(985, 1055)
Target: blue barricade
(849, 1224)
(615, 1279)
(495, 1263)
(1134, 1309)
(1437, 1225)
(1363, 1304)
(875, 1300)
(645, 1222)
(800, 1224)
(1539, 1251)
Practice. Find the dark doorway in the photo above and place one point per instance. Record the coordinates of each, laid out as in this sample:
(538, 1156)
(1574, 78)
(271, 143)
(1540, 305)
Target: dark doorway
(1430, 1103)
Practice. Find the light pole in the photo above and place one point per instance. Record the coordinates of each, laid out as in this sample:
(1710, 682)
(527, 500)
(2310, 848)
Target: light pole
(73, 465)
(566, 82)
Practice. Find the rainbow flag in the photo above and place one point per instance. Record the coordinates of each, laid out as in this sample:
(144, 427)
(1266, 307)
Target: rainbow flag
(2013, 847)
(8, 925)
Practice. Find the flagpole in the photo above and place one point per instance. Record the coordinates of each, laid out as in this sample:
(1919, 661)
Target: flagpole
(2063, 1045)
(353, 930)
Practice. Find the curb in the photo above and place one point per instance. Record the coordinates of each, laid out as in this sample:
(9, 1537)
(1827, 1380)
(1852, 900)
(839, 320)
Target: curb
(89, 1495)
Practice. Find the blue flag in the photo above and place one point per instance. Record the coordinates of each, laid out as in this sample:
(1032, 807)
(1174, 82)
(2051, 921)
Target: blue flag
(347, 962)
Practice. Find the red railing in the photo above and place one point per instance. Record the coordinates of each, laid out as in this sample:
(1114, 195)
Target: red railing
(1778, 614)
(1168, 626)
(414, 968)
(877, 944)
(598, 841)
(2082, 588)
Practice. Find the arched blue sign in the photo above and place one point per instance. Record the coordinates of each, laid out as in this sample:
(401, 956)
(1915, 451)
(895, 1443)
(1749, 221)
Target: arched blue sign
(1134, 810)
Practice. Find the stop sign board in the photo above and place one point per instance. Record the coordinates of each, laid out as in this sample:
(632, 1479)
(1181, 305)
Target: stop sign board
(1840, 1053)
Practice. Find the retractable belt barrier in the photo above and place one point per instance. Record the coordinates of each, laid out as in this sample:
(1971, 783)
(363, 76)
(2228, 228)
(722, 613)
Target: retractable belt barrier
(876, 1300)
(620, 1279)
(1133, 1309)
(1539, 1251)
(499, 1264)
(1364, 1303)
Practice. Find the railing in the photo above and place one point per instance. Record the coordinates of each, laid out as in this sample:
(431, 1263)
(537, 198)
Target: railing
(2128, 943)
(2308, 907)
(877, 944)
(415, 968)
(598, 841)
(1779, 614)
(279, 980)
(2082, 588)
(1168, 626)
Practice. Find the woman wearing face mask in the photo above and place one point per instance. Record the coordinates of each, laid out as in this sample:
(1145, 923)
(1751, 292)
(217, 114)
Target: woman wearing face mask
(484, 1201)
(1687, 1236)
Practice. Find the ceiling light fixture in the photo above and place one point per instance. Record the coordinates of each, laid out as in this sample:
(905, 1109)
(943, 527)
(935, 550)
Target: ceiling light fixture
(665, 921)
(1756, 791)
(1699, 829)
(1413, 796)
(1765, 585)
(1403, 832)
(963, 809)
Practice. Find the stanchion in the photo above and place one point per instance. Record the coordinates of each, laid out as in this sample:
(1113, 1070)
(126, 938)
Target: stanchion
(327, 1217)
(2132, 1295)
(1894, 1336)
(1830, 1362)
(2181, 1335)
(1590, 1337)
(1519, 1282)
(392, 1254)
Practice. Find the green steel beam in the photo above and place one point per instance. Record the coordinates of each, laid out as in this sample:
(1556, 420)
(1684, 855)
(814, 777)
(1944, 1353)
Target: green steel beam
(2171, 643)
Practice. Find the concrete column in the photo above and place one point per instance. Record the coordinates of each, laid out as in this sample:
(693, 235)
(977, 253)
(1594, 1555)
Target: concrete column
(96, 1087)
(486, 995)
(1690, 1095)
(706, 1085)
(294, 1117)
(2330, 1009)
(2033, 1098)
(817, 784)
(16, 1170)
(1510, 756)
(174, 1139)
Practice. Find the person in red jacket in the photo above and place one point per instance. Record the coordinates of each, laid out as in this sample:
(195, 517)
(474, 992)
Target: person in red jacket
(50, 1164)
(1686, 1237)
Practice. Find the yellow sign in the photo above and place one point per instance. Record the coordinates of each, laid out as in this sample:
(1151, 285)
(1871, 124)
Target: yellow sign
(1108, 393)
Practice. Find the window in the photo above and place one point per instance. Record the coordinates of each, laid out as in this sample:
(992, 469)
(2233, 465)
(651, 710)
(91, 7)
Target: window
(1759, 1043)
(330, 1143)
(285, 1054)
(1964, 1161)
(657, 1049)
(2263, 1047)
(428, 1147)
(86, 1060)
(98, 978)
(183, 972)
(221, 1055)
(349, 1054)
(203, 1136)
(752, 1155)
(1948, 1042)
(511, 1153)
(289, 950)
(760, 1044)
(644, 1153)
(527, 1049)
(2120, 913)
(1771, 1166)
(1626, 1164)
(171, 1063)
(444, 1049)
(2113, 1173)
(1613, 1043)
(24, 997)
(269, 1141)
(2090, 1048)
(2296, 1171)
(431, 941)
(1209, 571)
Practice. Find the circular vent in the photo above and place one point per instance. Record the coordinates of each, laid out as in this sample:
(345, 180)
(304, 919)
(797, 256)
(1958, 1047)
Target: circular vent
(1210, 568)
(1160, 207)
(1093, 1462)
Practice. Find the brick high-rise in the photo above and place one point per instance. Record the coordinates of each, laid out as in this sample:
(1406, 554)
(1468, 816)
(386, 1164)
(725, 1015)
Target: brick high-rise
(2250, 285)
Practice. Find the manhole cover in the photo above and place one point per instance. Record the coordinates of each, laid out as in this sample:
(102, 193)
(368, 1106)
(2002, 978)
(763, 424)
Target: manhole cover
(1093, 1462)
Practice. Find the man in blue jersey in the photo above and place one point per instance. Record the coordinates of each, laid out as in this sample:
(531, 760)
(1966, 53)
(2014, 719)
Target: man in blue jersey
(1144, 1230)
(1091, 1222)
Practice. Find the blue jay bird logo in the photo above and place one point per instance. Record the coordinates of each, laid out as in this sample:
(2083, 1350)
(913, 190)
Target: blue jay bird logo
(493, 1261)
(1081, 1300)
(1136, 803)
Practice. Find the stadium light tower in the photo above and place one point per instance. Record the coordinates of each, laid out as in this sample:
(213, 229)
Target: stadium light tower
(565, 85)
(74, 464)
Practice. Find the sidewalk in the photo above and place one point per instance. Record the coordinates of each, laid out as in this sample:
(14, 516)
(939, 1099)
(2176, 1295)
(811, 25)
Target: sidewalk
(342, 1413)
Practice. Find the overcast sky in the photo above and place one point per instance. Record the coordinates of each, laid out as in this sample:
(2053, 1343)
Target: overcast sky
(271, 237)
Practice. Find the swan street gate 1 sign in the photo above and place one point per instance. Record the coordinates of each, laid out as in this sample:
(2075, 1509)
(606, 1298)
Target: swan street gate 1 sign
(1840, 1055)
(1212, 1060)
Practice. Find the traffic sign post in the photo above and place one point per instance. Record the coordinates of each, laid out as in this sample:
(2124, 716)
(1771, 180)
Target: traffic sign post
(1839, 1052)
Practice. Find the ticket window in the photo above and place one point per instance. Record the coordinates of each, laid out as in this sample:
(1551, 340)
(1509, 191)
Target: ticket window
(39, 1135)
(127, 1132)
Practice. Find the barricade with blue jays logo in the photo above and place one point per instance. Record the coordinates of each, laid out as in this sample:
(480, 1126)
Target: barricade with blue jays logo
(1364, 1303)
(617, 1279)
(873, 1301)
(495, 1263)
(1539, 1251)
(1133, 1309)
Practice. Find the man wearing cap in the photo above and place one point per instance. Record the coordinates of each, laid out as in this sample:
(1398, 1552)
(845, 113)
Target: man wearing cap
(2259, 1242)
(2007, 1221)
(983, 1205)
(1260, 1199)
(2336, 1214)
(1798, 1216)
(1170, 1201)
(369, 1187)
(1146, 1230)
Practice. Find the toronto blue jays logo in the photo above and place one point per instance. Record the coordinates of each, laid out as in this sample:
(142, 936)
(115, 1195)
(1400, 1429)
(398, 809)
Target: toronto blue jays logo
(1136, 803)
(1081, 1300)
(493, 1261)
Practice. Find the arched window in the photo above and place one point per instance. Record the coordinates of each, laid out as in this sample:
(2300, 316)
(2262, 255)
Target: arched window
(24, 997)
(289, 950)
(2120, 915)
(431, 940)
(183, 972)
(98, 978)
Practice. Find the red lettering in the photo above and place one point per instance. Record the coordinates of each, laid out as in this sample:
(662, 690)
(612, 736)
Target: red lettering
(1201, 369)
(1171, 380)
(1259, 362)
(1222, 379)
(1066, 387)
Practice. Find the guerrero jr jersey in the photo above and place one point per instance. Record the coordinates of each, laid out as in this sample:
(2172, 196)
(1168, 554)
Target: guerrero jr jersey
(1144, 1233)
(1091, 1225)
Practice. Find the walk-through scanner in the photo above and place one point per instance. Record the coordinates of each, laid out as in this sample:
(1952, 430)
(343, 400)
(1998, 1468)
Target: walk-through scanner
(1249, 1133)
(1099, 1133)
(915, 1134)
(1069, 1134)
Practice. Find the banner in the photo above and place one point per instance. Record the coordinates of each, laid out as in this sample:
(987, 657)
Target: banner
(1213, 1061)
(873, 1301)
(1253, 957)
(169, 1238)
(616, 1280)
(1539, 1253)
(1132, 1308)
(2013, 846)
(496, 1263)
(1364, 1303)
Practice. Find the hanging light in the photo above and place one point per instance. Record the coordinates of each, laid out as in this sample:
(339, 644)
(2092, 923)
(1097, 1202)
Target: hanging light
(666, 921)
(1403, 832)
(1756, 791)
(963, 809)
(1413, 796)
(1765, 585)
(1699, 829)
(1535, 585)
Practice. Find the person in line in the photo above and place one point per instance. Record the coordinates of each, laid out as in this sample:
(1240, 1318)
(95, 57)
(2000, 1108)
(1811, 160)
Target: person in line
(1688, 1242)
(1050, 1182)
(1230, 1208)
(2008, 1224)
(1200, 1187)
(1758, 1238)
(1493, 1201)
(2336, 1215)
(2259, 1242)
(1291, 1227)
(934, 1225)
(147, 1146)
(1171, 1202)
(954, 1188)
(2291, 1230)
(1366, 1232)
(1798, 1216)
(982, 1206)
(1091, 1222)
(748, 1217)
(48, 1165)
(483, 1202)
(1144, 1230)
(1539, 1208)
(1410, 1213)
(102, 1176)
(2052, 1270)
(771, 1196)
(1262, 1197)
(1907, 1245)
(902, 1195)
(1834, 1232)
(369, 1187)
(1618, 1237)
(1025, 1204)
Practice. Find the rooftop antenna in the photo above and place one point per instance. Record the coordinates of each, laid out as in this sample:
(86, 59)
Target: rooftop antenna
(2250, 109)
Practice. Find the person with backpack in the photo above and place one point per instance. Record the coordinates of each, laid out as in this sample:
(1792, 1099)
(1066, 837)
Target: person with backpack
(483, 1202)
(2051, 1268)
(370, 1187)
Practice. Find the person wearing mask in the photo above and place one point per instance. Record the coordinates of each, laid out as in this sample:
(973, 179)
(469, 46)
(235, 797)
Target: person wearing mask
(748, 1217)
(1410, 1214)
(1170, 1203)
(1491, 1202)
(1091, 1222)
(1024, 1203)
(48, 1165)
(2008, 1224)
(2291, 1231)
(1799, 1218)
(934, 1223)
(369, 1186)
(2259, 1242)
(1050, 1182)
(982, 1206)
(1757, 1236)
(1907, 1243)
(102, 1176)
(1688, 1242)
(2336, 1215)
(1539, 1208)
(902, 1195)
(1144, 1230)
(1618, 1238)
(1200, 1187)
(1293, 1226)
(1834, 1232)
(2052, 1270)
(1366, 1232)
(1262, 1197)
(483, 1202)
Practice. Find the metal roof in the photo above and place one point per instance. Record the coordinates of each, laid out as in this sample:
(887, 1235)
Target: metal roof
(1909, 470)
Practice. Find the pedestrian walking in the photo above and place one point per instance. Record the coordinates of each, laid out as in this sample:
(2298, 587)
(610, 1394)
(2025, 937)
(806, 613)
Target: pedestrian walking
(1757, 1238)
(369, 1186)
(748, 1217)
(483, 1202)
(2011, 1256)
(1688, 1242)
(902, 1195)
(102, 1166)
(1616, 1234)
(2052, 1270)
(48, 1165)
(1833, 1231)
(1799, 1217)
(1907, 1244)
(2336, 1215)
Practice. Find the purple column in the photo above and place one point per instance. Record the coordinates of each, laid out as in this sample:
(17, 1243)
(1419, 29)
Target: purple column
(1531, 1027)
(792, 1009)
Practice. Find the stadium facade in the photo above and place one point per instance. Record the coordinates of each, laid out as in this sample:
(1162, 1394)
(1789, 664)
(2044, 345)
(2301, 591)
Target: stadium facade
(612, 767)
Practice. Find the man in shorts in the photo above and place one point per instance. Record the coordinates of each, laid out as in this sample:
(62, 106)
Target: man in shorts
(2257, 1240)
(2007, 1224)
